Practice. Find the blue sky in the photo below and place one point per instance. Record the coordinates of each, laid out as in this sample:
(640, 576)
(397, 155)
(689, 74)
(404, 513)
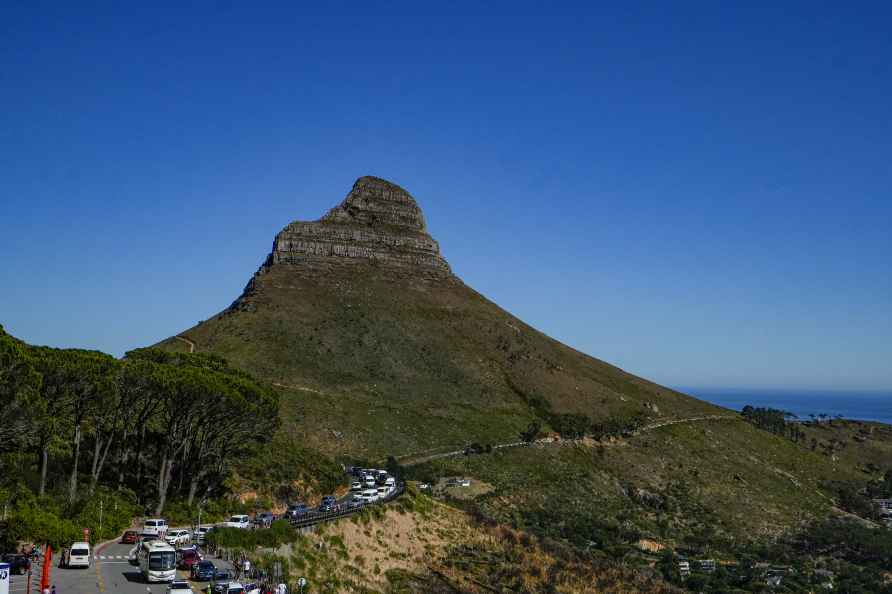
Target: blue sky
(699, 193)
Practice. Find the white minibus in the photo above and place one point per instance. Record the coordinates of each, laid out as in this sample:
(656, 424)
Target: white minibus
(156, 526)
(157, 560)
(78, 555)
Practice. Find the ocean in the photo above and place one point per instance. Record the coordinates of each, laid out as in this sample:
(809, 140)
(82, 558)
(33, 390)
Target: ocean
(864, 406)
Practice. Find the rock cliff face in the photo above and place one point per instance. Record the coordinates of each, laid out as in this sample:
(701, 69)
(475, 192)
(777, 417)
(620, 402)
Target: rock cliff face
(379, 225)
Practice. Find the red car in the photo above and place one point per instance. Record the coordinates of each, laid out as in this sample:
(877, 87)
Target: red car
(188, 558)
(130, 537)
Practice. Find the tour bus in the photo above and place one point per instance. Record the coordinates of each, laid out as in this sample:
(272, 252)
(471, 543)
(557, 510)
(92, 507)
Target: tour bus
(157, 560)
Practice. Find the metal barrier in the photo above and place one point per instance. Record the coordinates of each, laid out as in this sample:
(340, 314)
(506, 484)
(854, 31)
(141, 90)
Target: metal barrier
(313, 518)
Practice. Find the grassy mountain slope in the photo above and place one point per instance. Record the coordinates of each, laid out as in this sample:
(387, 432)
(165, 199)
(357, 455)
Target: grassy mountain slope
(400, 367)
(421, 545)
(375, 358)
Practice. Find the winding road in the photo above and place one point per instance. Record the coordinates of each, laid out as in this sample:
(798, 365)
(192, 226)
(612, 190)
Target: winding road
(548, 441)
(187, 341)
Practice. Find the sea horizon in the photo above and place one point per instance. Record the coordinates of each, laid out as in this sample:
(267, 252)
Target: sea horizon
(861, 405)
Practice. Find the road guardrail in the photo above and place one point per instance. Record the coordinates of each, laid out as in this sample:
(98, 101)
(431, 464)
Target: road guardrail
(315, 517)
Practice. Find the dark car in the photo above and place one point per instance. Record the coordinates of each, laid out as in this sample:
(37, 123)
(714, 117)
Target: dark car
(223, 575)
(298, 510)
(264, 519)
(129, 537)
(19, 564)
(329, 504)
(188, 558)
(203, 571)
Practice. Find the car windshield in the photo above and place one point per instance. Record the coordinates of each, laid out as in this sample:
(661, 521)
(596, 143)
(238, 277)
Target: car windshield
(80, 552)
(162, 560)
(235, 519)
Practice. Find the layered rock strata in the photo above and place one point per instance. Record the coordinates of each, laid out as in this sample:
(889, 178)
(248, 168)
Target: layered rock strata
(378, 225)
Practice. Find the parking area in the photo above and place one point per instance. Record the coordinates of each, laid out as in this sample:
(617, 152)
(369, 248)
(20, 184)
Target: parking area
(111, 568)
(110, 572)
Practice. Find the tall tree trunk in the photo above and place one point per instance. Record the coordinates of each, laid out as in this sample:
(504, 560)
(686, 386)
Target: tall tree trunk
(122, 460)
(181, 471)
(139, 445)
(100, 464)
(97, 449)
(193, 488)
(44, 459)
(72, 485)
(164, 476)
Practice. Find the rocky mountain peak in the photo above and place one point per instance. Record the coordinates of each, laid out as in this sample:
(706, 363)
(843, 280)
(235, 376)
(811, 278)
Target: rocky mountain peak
(375, 201)
(378, 228)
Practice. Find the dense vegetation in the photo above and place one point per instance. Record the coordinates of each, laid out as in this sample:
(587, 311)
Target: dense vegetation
(774, 421)
(370, 367)
(82, 426)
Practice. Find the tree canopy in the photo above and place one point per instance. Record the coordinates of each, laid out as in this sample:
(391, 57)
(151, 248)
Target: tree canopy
(159, 423)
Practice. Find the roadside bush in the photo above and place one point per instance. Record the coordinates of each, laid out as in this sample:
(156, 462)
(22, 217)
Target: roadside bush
(275, 469)
(213, 510)
(117, 511)
(40, 520)
(279, 533)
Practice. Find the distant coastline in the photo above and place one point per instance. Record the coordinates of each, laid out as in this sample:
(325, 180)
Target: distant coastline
(858, 405)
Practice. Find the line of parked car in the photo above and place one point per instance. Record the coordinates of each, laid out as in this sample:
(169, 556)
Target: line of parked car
(371, 484)
(368, 485)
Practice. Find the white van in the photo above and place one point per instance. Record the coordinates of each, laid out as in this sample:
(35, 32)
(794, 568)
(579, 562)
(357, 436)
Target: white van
(369, 495)
(238, 521)
(156, 526)
(201, 533)
(78, 555)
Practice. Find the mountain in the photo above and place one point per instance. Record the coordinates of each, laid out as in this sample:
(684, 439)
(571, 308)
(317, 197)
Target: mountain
(361, 310)
(380, 349)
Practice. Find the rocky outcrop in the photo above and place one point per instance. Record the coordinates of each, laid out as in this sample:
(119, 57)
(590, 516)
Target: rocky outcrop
(379, 225)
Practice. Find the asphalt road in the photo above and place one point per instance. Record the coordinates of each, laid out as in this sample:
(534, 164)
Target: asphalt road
(18, 584)
(110, 572)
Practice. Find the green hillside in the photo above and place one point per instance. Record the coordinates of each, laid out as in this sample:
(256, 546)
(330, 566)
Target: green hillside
(380, 351)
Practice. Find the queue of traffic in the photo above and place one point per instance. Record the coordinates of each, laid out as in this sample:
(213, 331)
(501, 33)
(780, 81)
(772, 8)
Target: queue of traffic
(159, 550)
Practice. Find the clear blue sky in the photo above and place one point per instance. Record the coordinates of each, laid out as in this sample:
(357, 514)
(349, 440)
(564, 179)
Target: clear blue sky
(699, 193)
